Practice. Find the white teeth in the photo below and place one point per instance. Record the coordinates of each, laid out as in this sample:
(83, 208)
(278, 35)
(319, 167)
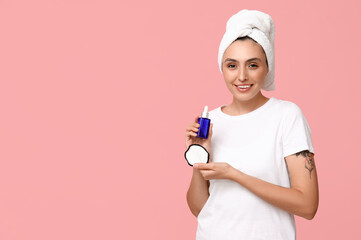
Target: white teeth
(244, 86)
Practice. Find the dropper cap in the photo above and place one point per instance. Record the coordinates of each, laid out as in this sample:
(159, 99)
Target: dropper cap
(205, 112)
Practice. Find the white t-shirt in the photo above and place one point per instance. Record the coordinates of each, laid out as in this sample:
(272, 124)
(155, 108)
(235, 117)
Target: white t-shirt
(256, 143)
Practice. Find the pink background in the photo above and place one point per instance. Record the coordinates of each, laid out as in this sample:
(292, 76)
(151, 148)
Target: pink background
(95, 97)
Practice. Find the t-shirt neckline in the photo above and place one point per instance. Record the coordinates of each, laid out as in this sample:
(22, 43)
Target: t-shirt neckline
(245, 115)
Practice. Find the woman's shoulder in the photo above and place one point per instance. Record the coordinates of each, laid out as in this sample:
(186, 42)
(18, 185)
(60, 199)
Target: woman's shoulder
(287, 106)
(214, 113)
(289, 111)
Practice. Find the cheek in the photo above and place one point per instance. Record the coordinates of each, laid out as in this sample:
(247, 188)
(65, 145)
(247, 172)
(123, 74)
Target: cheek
(259, 76)
(229, 76)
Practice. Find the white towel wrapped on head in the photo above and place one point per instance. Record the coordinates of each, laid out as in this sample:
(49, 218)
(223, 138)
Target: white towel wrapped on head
(258, 26)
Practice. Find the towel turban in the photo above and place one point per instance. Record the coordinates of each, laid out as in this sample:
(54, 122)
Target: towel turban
(258, 26)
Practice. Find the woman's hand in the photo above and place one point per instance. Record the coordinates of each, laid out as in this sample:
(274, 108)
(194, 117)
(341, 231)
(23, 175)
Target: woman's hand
(191, 136)
(218, 170)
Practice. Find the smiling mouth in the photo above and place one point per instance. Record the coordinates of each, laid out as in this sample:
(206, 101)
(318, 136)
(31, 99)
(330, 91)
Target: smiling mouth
(244, 87)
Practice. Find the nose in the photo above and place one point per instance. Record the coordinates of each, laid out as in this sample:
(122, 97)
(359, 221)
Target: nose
(243, 75)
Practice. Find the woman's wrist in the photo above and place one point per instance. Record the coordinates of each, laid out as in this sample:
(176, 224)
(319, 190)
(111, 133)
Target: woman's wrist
(234, 174)
(208, 148)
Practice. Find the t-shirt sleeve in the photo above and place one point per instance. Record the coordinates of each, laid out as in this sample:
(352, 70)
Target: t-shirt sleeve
(296, 135)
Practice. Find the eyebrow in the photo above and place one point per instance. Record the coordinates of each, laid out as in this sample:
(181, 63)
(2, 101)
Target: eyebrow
(249, 60)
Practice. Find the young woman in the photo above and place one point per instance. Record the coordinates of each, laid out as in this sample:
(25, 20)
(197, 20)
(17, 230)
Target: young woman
(261, 170)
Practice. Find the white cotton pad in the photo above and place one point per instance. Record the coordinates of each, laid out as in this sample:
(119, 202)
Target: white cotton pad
(196, 154)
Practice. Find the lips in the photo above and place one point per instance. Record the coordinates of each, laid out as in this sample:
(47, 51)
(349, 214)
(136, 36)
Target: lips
(243, 87)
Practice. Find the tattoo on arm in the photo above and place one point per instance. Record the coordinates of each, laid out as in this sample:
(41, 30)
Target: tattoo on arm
(309, 163)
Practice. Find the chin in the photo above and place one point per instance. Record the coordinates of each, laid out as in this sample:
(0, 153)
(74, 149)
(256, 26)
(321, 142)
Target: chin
(244, 98)
(255, 93)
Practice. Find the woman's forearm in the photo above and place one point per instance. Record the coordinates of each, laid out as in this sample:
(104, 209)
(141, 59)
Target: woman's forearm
(198, 193)
(287, 199)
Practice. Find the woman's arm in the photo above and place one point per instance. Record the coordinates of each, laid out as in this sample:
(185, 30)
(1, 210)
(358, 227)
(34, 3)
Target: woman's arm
(300, 199)
(198, 193)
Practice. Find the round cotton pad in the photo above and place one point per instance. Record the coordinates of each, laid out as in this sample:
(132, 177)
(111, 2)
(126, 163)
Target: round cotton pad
(196, 154)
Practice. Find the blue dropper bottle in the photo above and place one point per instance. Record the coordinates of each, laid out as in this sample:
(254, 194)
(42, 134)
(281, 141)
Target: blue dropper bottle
(204, 123)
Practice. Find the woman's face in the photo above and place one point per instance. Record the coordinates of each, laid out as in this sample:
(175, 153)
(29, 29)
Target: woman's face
(244, 69)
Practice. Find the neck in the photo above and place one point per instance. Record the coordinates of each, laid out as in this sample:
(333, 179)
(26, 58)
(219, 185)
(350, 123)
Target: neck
(238, 107)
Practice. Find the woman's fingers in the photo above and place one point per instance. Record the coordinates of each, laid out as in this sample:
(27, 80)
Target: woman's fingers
(203, 166)
(195, 125)
(192, 128)
(189, 133)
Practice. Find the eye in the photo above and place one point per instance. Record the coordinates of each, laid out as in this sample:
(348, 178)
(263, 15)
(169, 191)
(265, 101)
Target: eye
(253, 65)
(231, 65)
